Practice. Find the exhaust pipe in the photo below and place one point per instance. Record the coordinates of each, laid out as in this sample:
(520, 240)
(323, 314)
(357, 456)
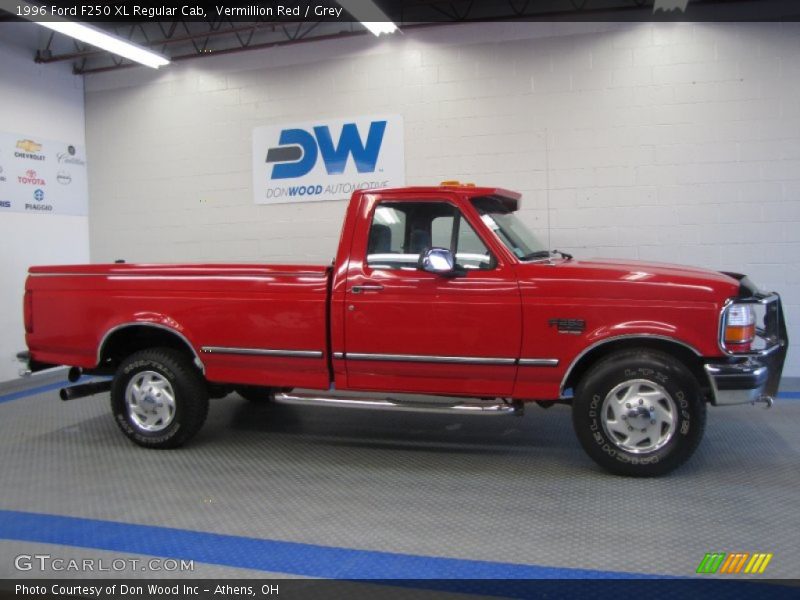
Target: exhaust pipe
(83, 390)
(74, 374)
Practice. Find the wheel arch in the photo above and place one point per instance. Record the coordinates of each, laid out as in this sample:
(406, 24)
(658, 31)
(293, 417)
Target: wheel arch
(126, 338)
(682, 351)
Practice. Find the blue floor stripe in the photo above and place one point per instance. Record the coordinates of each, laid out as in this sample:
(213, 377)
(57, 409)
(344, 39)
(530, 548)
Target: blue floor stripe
(270, 555)
(41, 389)
(33, 391)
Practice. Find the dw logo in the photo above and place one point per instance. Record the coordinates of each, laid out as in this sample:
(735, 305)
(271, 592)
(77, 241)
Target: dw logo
(298, 150)
(327, 159)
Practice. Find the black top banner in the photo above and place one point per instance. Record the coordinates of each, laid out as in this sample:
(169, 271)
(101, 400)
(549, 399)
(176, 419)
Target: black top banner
(405, 11)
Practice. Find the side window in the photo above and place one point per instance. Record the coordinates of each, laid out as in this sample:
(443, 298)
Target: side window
(442, 231)
(470, 251)
(387, 242)
(401, 231)
(386, 234)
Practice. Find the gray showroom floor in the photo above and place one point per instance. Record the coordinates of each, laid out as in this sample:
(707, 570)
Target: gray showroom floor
(499, 489)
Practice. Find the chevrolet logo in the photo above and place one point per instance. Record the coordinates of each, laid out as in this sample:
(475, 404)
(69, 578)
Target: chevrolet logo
(28, 146)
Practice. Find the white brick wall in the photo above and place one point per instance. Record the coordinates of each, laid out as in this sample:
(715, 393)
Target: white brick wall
(670, 142)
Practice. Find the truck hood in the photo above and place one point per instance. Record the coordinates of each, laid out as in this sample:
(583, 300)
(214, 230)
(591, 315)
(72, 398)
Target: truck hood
(627, 279)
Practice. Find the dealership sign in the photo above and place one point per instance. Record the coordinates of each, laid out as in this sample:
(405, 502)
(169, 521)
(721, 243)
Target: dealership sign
(327, 160)
(42, 176)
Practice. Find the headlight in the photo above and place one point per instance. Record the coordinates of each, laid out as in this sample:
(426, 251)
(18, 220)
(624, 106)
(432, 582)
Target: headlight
(740, 326)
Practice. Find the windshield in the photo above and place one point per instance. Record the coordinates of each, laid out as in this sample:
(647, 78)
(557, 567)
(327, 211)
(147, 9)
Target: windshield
(511, 231)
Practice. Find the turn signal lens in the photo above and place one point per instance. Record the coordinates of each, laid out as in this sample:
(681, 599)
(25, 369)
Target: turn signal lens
(740, 325)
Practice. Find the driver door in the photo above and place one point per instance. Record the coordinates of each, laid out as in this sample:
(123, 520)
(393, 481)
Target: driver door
(407, 330)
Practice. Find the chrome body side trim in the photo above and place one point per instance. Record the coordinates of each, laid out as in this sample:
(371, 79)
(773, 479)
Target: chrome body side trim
(466, 360)
(262, 352)
(632, 336)
(538, 362)
(475, 360)
(116, 328)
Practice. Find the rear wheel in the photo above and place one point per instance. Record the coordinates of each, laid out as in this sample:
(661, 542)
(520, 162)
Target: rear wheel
(639, 413)
(158, 398)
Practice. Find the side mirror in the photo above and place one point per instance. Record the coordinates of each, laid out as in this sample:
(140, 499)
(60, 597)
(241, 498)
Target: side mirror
(437, 260)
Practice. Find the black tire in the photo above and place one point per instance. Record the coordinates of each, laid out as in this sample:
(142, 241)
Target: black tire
(141, 416)
(259, 395)
(671, 420)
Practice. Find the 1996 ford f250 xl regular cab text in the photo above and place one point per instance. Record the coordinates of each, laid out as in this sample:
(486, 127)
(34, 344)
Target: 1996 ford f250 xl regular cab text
(434, 290)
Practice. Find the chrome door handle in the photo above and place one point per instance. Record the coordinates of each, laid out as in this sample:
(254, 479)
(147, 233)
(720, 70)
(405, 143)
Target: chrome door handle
(357, 289)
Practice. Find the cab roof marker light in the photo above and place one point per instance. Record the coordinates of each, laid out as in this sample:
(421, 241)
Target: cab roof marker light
(106, 41)
(370, 16)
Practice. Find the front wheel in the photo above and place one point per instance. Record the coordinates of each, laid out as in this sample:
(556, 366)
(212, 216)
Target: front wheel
(158, 398)
(639, 413)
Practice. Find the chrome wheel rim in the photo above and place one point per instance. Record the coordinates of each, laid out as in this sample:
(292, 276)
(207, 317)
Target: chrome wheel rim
(150, 401)
(639, 416)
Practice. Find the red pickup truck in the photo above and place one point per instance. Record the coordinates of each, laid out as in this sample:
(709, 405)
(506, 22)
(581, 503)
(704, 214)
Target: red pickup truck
(440, 291)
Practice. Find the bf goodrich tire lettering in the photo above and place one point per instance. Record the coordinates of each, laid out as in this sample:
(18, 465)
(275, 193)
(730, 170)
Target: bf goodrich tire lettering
(639, 413)
(158, 398)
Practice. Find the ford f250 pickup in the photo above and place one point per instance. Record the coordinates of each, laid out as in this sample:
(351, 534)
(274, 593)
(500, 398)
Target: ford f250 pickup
(440, 291)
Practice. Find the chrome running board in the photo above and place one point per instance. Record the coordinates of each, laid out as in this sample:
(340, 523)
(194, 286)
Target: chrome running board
(493, 408)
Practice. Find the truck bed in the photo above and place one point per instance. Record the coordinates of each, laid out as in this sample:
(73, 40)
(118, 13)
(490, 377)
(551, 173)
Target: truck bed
(246, 323)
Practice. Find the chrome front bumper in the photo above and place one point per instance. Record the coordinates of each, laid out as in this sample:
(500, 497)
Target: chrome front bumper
(741, 383)
(747, 378)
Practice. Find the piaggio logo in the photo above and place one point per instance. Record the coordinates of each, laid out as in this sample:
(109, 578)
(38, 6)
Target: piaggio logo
(38, 195)
(735, 563)
(298, 150)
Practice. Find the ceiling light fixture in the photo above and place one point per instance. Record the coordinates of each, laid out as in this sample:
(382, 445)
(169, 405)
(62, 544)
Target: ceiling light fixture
(106, 41)
(370, 16)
